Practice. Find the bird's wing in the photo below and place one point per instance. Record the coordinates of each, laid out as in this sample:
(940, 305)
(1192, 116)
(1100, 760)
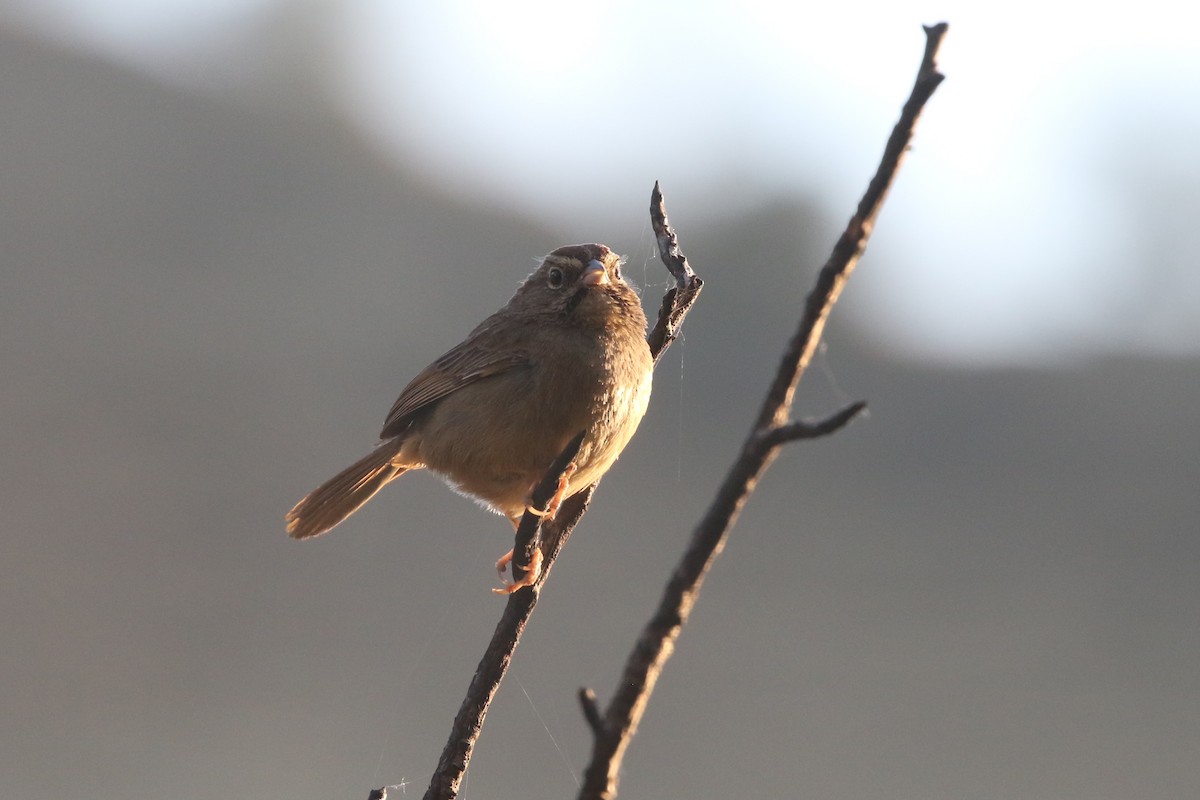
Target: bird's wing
(468, 362)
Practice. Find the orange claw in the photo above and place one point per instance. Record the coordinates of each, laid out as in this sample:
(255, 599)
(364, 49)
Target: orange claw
(532, 572)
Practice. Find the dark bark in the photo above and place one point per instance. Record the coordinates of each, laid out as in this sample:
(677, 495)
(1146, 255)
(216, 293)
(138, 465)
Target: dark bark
(771, 430)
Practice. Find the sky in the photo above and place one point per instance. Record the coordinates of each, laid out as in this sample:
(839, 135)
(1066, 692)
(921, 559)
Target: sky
(1044, 216)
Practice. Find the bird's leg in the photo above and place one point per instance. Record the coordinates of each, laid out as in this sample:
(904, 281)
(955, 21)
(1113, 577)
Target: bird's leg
(507, 558)
(564, 483)
(534, 570)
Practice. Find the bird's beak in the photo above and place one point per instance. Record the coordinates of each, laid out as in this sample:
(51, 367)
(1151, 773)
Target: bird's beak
(595, 274)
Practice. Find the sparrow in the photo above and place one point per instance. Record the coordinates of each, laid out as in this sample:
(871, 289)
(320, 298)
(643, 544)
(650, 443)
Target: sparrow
(567, 354)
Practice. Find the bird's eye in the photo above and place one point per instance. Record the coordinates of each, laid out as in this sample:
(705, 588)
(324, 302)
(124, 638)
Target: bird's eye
(554, 278)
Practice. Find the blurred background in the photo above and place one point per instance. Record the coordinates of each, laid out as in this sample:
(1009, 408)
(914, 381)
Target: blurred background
(232, 231)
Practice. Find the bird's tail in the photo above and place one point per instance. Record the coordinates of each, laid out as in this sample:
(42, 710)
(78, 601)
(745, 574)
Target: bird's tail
(344, 493)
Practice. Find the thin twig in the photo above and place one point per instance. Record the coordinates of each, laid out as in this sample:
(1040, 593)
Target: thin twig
(668, 242)
(591, 711)
(807, 429)
(464, 731)
(771, 430)
(679, 299)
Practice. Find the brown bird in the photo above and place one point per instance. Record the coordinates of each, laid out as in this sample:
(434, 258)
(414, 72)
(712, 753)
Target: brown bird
(567, 353)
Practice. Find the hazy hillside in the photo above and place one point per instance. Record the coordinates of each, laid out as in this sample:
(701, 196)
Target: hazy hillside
(987, 589)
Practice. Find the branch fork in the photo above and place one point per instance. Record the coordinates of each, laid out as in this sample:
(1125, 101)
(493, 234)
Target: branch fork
(614, 727)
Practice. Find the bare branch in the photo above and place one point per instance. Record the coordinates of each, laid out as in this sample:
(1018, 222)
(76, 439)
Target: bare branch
(807, 429)
(382, 792)
(853, 240)
(668, 242)
(591, 711)
(678, 300)
(464, 731)
(771, 430)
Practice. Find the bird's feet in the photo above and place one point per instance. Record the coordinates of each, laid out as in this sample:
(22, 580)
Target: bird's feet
(532, 572)
(564, 483)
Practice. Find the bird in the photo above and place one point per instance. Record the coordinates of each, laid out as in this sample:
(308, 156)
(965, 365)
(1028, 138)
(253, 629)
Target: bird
(566, 354)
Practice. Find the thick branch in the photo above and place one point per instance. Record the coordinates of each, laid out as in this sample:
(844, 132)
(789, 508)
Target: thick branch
(769, 433)
(464, 732)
